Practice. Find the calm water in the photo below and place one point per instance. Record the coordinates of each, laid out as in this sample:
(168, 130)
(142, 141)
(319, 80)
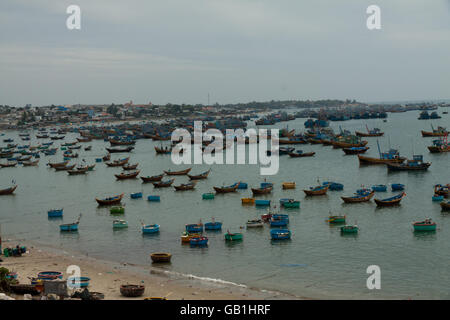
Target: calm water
(318, 262)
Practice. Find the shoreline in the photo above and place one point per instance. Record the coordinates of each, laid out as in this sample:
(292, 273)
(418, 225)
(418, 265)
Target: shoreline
(107, 276)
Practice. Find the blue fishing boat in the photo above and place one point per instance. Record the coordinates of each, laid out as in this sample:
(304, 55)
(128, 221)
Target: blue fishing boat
(55, 213)
(198, 241)
(242, 186)
(137, 195)
(278, 222)
(397, 187)
(50, 275)
(70, 226)
(262, 203)
(437, 198)
(213, 225)
(266, 185)
(280, 216)
(78, 282)
(280, 234)
(194, 228)
(379, 188)
(154, 198)
(150, 228)
(334, 186)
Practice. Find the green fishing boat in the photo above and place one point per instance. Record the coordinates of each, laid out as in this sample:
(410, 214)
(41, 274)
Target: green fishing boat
(120, 224)
(117, 210)
(208, 196)
(349, 229)
(292, 204)
(336, 219)
(233, 236)
(426, 225)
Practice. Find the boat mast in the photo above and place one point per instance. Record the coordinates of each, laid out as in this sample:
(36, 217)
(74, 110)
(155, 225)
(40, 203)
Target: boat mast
(379, 151)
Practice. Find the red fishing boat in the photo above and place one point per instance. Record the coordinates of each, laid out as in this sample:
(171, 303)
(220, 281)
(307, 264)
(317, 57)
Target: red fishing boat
(8, 190)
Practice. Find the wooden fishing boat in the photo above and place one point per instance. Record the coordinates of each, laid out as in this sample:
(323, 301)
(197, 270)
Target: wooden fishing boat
(370, 133)
(248, 201)
(300, 154)
(177, 173)
(426, 225)
(123, 175)
(185, 186)
(117, 163)
(74, 147)
(292, 141)
(440, 145)
(391, 156)
(416, 164)
(115, 142)
(186, 236)
(265, 190)
(233, 236)
(132, 290)
(255, 223)
(130, 166)
(88, 148)
(442, 190)
(30, 163)
(355, 150)
(158, 257)
(152, 178)
(107, 157)
(227, 189)
(163, 150)
(445, 206)
(111, 200)
(8, 191)
(163, 184)
(119, 150)
(288, 185)
(200, 176)
(77, 172)
(70, 155)
(317, 191)
(65, 168)
(439, 132)
(342, 144)
(359, 197)
(8, 164)
(88, 139)
(392, 201)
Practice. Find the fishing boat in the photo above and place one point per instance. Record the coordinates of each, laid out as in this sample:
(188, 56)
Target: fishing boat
(437, 198)
(227, 189)
(317, 191)
(119, 150)
(198, 241)
(123, 175)
(416, 164)
(262, 203)
(130, 166)
(426, 225)
(442, 190)
(355, 150)
(78, 282)
(439, 132)
(107, 157)
(208, 196)
(163, 183)
(200, 176)
(440, 145)
(49, 275)
(280, 234)
(397, 187)
(255, 223)
(250, 201)
(152, 178)
(70, 226)
(392, 201)
(136, 195)
(350, 229)
(291, 203)
(186, 236)
(194, 228)
(77, 171)
(375, 132)
(132, 290)
(361, 196)
(150, 228)
(115, 142)
(213, 225)
(177, 173)
(154, 198)
(160, 257)
(233, 236)
(336, 219)
(120, 224)
(65, 168)
(30, 163)
(88, 139)
(185, 186)
(117, 210)
(163, 150)
(300, 154)
(445, 206)
(7, 191)
(288, 185)
(343, 144)
(55, 213)
(117, 163)
(263, 190)
(392, 156)
(111, 200)
(9, 164)
(379, 188)
(334, 186)
(88, 148)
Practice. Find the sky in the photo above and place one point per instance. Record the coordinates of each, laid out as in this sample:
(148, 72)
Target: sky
(179, 51)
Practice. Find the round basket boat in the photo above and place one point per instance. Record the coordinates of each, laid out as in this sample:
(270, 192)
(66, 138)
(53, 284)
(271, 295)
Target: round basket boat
(132, 290)
(161, 257)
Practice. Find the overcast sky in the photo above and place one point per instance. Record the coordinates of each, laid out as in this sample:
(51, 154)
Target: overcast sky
(178, 51)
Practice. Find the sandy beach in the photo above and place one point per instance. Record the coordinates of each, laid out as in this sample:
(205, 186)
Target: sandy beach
(107, 276)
